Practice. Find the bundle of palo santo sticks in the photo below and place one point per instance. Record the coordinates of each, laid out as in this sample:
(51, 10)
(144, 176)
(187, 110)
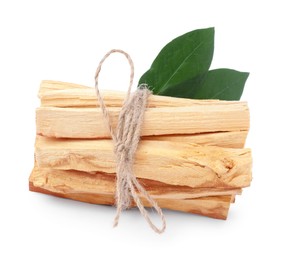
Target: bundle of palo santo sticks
(191, 156)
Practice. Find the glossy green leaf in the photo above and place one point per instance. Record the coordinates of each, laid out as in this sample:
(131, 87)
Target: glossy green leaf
(185, 58)
(224, 84)
(185, 89)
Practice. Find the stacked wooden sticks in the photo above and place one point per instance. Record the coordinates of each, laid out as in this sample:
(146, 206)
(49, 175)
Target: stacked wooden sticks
(190, 158)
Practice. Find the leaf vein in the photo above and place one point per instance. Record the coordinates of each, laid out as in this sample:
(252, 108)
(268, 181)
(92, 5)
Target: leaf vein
(174, 73)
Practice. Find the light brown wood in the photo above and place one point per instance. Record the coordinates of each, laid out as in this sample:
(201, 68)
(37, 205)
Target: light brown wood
(235, 139)
(86, 182)
(185, 159)
(52, 85)
(99, 189)
(61, 94)
(169, 162)
(89, 122)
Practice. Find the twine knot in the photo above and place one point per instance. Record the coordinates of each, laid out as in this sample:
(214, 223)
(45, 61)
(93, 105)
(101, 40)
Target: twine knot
(126, 138)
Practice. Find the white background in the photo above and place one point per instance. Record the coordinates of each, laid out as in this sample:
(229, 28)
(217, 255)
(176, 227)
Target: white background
(64, 40)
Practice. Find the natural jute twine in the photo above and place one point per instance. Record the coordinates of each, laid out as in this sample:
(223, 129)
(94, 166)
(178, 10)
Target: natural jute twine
(126, 137)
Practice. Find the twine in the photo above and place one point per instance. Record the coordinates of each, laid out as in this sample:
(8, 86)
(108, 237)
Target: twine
(126, 138)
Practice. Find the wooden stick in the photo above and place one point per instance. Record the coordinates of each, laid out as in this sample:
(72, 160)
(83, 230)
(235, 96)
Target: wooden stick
(85, 181)
(51, 85)
(99, 189)
(234, 139)
(89, 122)
(168, 162)
(61, 94)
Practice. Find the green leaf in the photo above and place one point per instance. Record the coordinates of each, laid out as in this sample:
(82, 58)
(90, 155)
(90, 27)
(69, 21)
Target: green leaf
(185, 89)
(187, 57)
(224, 84)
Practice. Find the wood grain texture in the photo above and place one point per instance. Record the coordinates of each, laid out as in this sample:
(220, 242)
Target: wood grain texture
(190, 157)
(89, 122)
(87, 182)
(62, 94)
(99, 189)
(235, 139)
(173, 163)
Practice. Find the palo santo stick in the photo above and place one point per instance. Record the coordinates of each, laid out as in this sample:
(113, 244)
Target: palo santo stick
(89, 122)
(51, 85)
(169, 162)
(61, 94)
(234, 139)
(98, 189)
(86, 182)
